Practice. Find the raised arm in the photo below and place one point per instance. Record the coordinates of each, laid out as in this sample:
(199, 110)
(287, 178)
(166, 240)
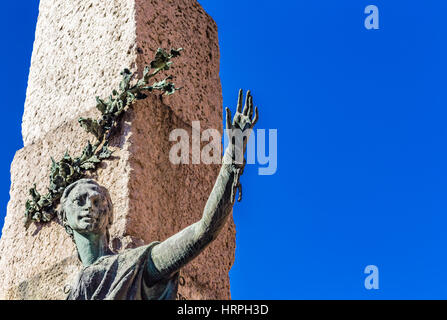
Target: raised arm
(175, 252)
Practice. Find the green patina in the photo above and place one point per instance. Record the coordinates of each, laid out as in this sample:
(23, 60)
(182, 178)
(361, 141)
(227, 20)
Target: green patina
(42, 208)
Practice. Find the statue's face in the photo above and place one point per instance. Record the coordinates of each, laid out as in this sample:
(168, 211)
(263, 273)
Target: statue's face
(87, 210)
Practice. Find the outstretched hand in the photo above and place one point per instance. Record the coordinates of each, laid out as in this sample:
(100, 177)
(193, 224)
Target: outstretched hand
(238, 132)
(243, 120)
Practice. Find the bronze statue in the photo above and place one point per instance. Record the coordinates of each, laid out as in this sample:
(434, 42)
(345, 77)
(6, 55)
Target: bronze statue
(151, 271)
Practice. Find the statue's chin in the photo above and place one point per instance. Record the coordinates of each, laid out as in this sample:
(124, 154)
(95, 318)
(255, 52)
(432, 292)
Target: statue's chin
(89, 227)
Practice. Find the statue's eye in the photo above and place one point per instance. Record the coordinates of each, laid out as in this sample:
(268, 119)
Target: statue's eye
(79, 201)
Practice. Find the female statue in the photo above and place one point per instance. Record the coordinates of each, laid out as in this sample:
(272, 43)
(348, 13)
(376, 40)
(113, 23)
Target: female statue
(150, 271)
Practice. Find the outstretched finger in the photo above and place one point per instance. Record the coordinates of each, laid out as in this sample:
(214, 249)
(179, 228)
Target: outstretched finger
(247, 98)
(250, 107)
(228, 118)
(256, 118)
(239, 101)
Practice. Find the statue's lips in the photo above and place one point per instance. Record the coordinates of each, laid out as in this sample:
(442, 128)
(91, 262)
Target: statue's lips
(88, 219)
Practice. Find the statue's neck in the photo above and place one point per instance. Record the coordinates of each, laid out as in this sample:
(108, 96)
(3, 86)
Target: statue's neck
(90, 247)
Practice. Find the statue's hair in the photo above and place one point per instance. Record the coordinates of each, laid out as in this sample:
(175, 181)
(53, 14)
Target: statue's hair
(62, 214)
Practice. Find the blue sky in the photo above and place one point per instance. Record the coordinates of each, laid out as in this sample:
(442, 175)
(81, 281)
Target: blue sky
(361, 119)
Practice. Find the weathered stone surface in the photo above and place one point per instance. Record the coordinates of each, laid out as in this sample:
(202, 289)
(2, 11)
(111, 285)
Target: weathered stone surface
(80, 48)
(42, 286)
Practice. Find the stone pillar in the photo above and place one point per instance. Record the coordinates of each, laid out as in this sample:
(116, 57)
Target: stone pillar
(79, 50)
